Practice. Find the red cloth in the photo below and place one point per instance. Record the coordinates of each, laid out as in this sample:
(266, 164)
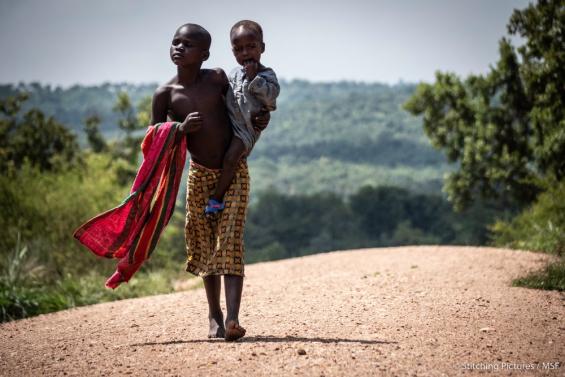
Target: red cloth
(131, 230)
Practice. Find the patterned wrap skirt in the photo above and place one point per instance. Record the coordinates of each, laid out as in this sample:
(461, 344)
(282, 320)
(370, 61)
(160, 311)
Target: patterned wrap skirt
(214, 245)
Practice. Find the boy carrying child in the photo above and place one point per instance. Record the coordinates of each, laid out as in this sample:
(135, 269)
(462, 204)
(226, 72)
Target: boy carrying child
(196, 97)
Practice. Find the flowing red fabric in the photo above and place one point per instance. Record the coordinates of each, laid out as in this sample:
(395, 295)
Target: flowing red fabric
(131, 230)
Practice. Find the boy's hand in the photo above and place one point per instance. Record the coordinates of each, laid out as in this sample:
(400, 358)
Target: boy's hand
(250, 67)
(193, 122)
(261, 120)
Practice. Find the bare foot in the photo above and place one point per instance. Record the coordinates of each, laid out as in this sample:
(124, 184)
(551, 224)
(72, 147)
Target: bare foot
(217, 329)
(233, 331)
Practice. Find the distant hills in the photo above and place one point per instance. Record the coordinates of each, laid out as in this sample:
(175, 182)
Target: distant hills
(323, 136)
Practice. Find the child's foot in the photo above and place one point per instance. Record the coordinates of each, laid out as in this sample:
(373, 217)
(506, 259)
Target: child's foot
(233, 331)
(213, 207)
(217, 329)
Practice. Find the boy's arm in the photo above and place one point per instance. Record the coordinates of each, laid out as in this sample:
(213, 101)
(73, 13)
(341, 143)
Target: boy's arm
(160, 105)
(160, 109)
(265, 87)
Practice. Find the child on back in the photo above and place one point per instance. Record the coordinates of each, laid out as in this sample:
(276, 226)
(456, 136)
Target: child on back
(253, 90)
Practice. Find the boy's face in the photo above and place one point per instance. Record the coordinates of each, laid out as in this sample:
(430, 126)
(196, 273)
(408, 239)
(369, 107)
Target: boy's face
(186, 49)
(246, 45)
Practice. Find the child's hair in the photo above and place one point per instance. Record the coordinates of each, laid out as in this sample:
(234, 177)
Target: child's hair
(247, 24)
(200, 34)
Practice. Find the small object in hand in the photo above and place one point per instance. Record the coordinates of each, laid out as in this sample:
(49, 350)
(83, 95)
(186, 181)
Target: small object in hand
(214, 207)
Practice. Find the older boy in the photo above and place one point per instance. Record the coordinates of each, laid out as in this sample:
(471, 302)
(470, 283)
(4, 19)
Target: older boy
(196, 97)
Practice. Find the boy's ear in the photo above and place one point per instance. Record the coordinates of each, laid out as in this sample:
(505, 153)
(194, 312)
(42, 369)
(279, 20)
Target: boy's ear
(205, 55)
(262, 47)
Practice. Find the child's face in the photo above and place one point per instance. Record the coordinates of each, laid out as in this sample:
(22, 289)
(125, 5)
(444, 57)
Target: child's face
(246, 45)
(186, 49)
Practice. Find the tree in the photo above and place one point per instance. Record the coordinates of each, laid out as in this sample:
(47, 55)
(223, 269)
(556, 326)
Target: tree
(128, 149)
(93, 135)
(379, 209)
(34, 137)
(130, 123)
(506, 129)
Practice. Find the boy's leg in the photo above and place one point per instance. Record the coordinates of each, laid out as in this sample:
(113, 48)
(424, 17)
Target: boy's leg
(213, 286)
(234, 287)
(231, 159)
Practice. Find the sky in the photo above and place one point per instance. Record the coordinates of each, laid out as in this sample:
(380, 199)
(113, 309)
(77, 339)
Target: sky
(66, 42)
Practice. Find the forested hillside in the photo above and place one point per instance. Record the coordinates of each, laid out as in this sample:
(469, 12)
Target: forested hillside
(72, 105)
(323, 137)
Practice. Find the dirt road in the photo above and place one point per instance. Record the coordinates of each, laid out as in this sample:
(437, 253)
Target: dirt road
(407, 311)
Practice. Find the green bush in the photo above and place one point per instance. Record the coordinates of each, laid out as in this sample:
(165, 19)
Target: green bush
(31, 298)
(541, 227)
(43, 269)
(44, 208)
(48, 188)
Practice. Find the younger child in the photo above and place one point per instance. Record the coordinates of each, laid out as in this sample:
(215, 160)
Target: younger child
(253, 91)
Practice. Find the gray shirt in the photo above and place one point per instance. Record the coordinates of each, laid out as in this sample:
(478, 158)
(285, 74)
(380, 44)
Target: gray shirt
(247, 98)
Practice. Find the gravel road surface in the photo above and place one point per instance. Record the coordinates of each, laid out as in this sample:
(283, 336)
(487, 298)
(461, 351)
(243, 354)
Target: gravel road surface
(405, 311)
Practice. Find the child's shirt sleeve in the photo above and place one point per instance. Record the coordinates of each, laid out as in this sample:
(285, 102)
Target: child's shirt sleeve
(265, 87)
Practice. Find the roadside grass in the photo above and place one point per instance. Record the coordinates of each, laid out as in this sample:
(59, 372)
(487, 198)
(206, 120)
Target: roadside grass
(552, 277)
(541, 228)
(26, 299)
(28, 289)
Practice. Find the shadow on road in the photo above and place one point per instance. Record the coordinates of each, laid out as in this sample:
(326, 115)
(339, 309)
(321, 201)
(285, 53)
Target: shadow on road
(269, 339)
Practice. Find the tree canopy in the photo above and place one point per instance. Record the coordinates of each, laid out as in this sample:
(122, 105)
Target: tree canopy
(32, 136)
(505, 129)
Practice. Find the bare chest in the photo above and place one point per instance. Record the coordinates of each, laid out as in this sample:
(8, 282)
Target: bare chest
(199, 98)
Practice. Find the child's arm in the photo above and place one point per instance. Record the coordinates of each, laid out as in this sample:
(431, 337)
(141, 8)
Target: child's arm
(265, 87)
(261, 121)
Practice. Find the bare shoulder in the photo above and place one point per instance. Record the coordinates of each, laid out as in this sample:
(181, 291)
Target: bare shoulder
(215, 75)
(162, 91)
(161, 103)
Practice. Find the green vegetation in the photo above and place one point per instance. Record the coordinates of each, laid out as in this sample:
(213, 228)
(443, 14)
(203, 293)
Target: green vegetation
(539, 227)
(72, 105)
(44, 269)
(323, 137)
(29, 298)
(41, 140)
(551, 278)
(341, 177)
(49, 188)
(506, 131)
(281, 226)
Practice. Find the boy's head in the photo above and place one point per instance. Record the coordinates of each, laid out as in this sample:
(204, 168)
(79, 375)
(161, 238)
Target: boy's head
(190, 45)
(247, 41)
